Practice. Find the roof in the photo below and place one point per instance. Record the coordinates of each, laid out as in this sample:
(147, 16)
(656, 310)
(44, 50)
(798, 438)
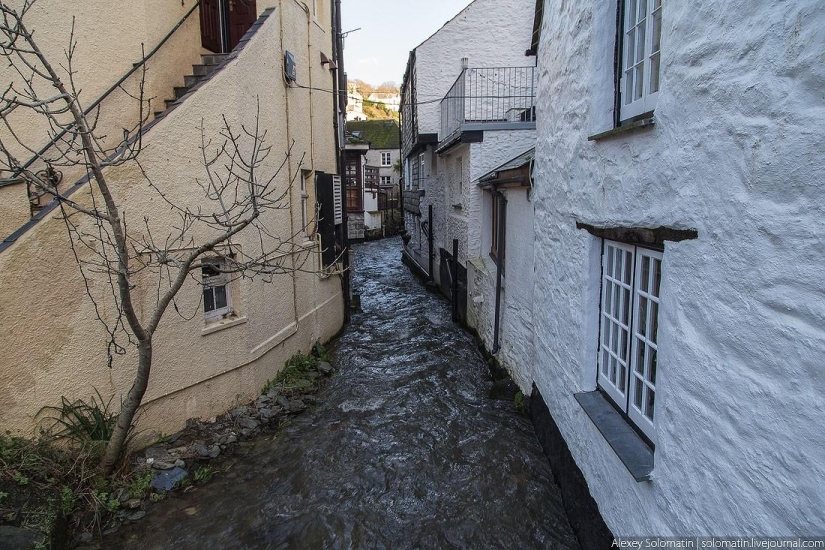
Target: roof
(520, 161)
(381, 134)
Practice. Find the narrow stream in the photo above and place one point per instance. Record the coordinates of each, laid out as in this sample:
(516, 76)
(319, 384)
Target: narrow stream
(406, 450)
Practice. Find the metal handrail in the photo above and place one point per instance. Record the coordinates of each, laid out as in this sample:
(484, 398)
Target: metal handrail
(489, 95)
(99, 100)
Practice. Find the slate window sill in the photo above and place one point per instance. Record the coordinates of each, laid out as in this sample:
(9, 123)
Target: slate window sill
(632, 450)
(643, 123)
(223, 324)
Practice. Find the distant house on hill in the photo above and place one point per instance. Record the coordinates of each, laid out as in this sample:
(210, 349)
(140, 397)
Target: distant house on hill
(355, 103)
(391, 101)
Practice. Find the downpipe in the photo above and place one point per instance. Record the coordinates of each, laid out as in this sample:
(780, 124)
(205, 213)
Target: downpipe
(502, 222)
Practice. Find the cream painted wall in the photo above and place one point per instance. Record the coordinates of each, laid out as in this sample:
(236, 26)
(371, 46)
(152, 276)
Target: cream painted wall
(52, 345)
(110, 38)
(15, 208)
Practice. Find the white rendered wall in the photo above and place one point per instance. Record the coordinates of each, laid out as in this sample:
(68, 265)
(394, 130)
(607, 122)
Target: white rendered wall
(736, 153)
(374, 159)
(516, 318)
(491, 33)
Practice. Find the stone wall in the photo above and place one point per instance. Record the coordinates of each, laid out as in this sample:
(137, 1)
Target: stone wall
(355, 225)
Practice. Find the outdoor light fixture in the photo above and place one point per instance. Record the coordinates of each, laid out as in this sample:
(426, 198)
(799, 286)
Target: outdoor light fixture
(290, 67)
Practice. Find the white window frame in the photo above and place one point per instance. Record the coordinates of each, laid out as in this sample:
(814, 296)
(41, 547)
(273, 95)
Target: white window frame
(304, 201)
(640, 16)
(386, 180)
(388, 156)
(210, 283)
(623, 334)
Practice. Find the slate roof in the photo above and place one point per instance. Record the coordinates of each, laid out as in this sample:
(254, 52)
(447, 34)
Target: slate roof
(381, 134)
(524, 158)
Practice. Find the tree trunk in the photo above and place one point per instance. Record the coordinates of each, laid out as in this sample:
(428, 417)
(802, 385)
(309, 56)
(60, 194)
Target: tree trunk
(114, 450)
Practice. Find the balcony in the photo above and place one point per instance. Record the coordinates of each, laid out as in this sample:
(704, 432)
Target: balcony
(495, 98)
(371, 177)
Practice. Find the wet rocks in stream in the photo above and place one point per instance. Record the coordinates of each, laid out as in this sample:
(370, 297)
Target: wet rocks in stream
(193, 454)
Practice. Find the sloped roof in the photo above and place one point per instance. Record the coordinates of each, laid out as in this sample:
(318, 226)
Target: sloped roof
(523, 159)
(381, 134)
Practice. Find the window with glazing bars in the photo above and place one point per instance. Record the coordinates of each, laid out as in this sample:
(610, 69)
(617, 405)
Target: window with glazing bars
(217, 300)
(641, 55)
(629, 321)
(386, 159)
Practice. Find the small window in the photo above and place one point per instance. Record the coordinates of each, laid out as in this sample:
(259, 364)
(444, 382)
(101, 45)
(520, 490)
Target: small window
(386, 181)
(217, 299)
(304, 201)
(386, 159)
(629, 321)
(641, 45)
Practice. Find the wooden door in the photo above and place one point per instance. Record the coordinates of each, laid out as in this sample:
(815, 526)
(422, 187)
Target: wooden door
(242, 15)
(211, 25)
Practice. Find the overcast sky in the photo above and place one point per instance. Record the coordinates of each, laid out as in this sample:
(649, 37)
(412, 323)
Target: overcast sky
(389, 30)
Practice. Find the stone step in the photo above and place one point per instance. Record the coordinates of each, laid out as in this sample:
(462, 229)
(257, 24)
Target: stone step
(203, 70)
(181, 91)
(169, 102)
(213, 59)
(190, 80)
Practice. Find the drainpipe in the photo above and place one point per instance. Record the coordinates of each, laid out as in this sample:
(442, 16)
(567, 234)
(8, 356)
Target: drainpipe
(340, 86)
(289, 173)
(401, 177)
(455, 280)
(430, 240)
(502, 221)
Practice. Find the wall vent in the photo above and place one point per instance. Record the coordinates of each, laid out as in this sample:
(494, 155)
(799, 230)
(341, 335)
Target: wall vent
(337, 201)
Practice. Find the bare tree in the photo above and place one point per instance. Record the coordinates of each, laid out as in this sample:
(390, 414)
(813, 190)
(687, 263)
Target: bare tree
(236, 189)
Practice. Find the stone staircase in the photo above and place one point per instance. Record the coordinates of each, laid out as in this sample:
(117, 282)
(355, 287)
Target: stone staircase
(209, 64)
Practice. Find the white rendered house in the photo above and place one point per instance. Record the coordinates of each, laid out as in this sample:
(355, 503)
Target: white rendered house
(678, 194)
(485, 118)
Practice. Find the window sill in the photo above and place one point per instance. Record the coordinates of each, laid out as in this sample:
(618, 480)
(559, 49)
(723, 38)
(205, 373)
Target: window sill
(643, 123)
(632, 450)
(216, 326)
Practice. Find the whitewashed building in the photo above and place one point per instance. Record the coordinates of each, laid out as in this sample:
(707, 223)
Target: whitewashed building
(381, 196)
(391, 101)
(355, 103)
(680, 304)
(468, 108)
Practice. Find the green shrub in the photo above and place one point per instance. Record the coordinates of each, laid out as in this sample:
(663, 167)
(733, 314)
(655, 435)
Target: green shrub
(80, 421)
(67, 500)
(203, 474)
(141, 485)
(521, 406)
(293, 375)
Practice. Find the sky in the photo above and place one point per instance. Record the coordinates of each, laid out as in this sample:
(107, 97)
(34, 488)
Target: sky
(389, 30)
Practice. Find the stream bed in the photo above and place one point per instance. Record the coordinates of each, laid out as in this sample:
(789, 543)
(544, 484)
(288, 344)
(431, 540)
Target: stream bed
(405, 450)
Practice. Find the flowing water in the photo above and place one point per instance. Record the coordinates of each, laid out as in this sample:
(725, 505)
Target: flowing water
(406, 449)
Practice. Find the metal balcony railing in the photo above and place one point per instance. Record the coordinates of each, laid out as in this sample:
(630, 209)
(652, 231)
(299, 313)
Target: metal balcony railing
(489, 98)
